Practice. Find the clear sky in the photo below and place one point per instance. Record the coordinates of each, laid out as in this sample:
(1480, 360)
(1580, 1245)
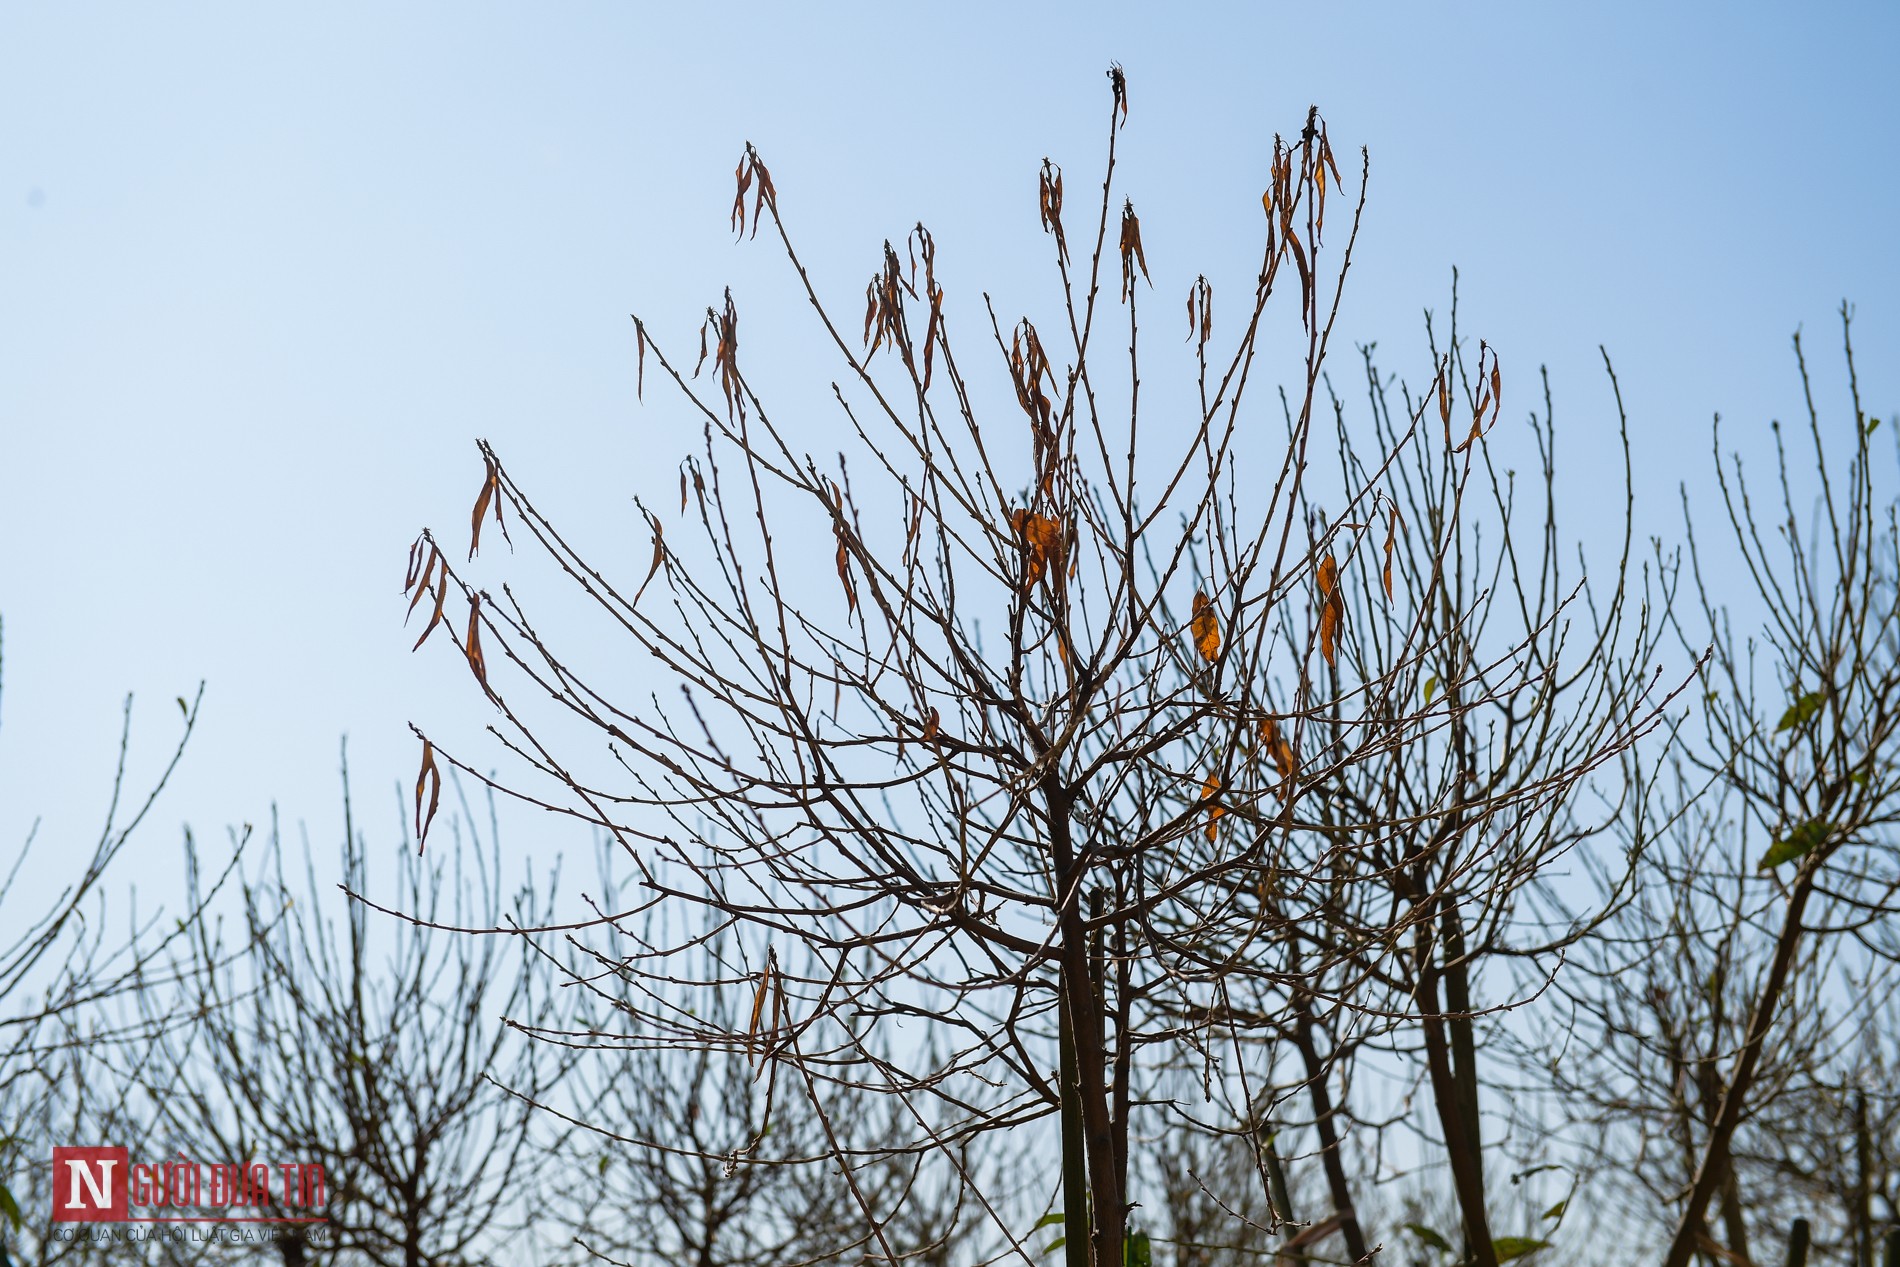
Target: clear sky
(267, 272)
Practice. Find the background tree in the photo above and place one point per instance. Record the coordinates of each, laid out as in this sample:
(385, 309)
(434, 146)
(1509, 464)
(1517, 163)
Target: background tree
(60, 961)
(1725, 1020)
(380, 1054)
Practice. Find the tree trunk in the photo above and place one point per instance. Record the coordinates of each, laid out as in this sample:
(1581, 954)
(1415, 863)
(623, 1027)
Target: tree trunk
(1330, 1159)
(1716, 1157)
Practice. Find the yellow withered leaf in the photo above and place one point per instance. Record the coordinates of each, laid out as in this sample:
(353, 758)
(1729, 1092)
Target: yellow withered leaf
(1205, 627)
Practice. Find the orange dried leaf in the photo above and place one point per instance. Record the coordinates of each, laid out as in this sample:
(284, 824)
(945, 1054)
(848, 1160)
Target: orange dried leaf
(491, 484)
(428, 569)
(1042, 545)
(758, 1006)
(1278, 749)
(1328, 578)
(1209, 790)
(844, 568)
(472, 644)
(441, 595)
(1205, 627)
(1391, 539)
(930, 726)
(431, 778)
(743, 175)
(416, 556)
(1329, 629)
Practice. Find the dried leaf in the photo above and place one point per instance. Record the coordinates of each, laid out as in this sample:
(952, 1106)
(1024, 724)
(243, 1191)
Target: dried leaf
(416, 557)
(930, 727)
(1391, 539)
(441, 596)
(472, 644)
(1332, 608)
(491, 491)
(1329, 630)
(1306, 280)
(1041, 538)
(1131, 252)
(682, 490)
(659, 545)
(743, 174)
(1205, 627)
(1278, 749)
(640, 378)
(428, 568)
(431, 778)
(1200, 309)
(841, 533)
(767, 195)
(1118, 83)
(931, 330)
(1049, 200)
(758, 1005)
(1209, 790)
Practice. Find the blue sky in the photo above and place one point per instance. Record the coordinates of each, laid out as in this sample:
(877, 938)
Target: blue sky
(266, 274)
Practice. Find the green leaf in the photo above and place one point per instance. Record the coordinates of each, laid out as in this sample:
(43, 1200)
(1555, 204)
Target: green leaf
(1798, 843)
(1049, 1220)
(1136, 1251)
(603, 1163)
(1802, 711)
(1431, 689)
(1873, 425)
(1055, 1245)
(1428, 1236)
(10, 1208)
(1556, 1211)
(1510, 1247)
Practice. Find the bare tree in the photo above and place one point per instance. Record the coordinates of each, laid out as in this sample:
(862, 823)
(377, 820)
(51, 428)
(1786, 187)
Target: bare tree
(59, 962)
(380, 1055)
(1715, 1033)
(1050, 845)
